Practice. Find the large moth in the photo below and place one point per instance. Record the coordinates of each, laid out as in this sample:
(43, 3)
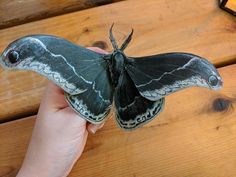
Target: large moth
(91, 81)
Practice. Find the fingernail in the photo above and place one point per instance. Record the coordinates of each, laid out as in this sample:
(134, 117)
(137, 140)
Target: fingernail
(92, 130)
(101, 125)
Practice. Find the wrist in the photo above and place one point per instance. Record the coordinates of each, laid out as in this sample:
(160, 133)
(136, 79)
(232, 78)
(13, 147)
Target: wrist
(32, 169)
(39, 161)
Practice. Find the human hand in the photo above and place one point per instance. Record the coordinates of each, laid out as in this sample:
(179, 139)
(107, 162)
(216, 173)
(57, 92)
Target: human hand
(58, 138)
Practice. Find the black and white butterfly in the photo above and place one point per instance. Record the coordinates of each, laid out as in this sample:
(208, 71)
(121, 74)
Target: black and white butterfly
(92, 80)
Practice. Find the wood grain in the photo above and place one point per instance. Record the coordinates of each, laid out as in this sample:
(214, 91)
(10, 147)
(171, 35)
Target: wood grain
(17, 12)
(231, 4)
(198, 27)
(193, 137)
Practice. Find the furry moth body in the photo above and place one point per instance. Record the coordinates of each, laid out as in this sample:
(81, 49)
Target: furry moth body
(92, 81)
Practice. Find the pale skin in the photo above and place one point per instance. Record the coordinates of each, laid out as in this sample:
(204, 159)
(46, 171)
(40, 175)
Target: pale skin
(58, 138)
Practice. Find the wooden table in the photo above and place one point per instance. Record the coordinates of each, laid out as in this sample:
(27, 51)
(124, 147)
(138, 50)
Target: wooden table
(195, 136)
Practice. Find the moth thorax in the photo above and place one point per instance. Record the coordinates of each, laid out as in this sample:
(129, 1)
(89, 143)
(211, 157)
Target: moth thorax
(117, 66)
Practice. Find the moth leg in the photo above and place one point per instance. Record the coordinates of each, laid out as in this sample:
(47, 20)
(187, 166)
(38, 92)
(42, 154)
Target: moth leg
(112, 39)
(127, 41)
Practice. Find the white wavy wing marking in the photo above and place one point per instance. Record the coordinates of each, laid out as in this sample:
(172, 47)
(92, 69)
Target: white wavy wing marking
(141, 119)
(80, 107)
(50, 74)
(170, 72)
(57, 55)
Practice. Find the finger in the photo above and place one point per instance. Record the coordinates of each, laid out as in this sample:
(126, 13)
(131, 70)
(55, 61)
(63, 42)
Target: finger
(98, 50)
(92, 128)
(54, 98)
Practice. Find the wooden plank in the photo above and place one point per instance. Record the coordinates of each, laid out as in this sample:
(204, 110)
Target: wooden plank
(194, 136)
(17, 12)
(20, 94)
(14, 143)
(203, 29)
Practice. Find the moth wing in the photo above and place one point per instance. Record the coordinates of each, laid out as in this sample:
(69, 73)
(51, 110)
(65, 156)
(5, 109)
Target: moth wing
(133, 110)
(158, 76)
(94, 104)
(71, 67)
